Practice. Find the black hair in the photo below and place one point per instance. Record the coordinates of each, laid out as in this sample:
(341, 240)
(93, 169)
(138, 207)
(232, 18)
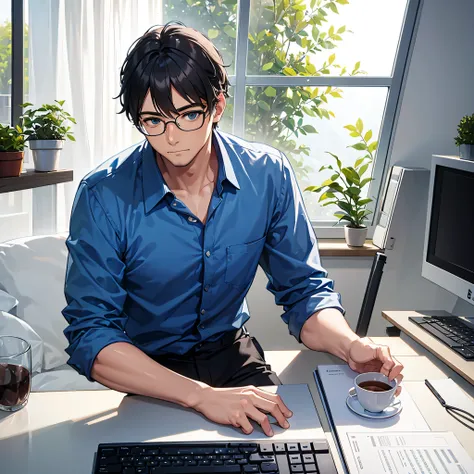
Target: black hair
(171, 55)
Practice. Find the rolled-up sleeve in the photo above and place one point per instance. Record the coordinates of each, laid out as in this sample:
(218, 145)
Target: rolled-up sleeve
(93, 284)
(291, 260)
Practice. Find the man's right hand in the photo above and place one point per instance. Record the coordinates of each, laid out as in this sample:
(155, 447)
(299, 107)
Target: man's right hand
(235, 406)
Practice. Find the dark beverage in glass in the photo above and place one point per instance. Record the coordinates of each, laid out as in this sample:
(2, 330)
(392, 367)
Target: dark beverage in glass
(15, 373)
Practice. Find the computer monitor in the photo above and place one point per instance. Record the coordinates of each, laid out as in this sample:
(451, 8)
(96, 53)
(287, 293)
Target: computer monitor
(448, 258)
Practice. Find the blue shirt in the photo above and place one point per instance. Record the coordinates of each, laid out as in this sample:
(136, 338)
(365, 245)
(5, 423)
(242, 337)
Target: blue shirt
(143, 269)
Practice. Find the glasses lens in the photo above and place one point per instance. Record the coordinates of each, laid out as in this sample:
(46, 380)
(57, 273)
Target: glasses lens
(190, 121)
(152, 126)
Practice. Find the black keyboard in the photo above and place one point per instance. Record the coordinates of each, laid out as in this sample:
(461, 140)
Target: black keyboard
(283, 457)
(453, 331)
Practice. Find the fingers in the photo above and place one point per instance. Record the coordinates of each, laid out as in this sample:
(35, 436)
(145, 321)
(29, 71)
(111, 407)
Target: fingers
(240, 420)
(270, 407)
(399, 388)
(260, 418)
(274, 397)
(396, 370)
(383, 354)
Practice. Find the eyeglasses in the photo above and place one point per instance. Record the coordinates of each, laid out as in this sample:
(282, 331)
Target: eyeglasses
(188, 122)
(455, 412)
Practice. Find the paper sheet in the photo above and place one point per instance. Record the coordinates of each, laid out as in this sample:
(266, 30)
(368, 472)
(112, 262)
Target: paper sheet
(409, 453)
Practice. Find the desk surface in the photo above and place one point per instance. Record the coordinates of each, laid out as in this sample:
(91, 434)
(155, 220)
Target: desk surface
(78, 415)
(452, 359)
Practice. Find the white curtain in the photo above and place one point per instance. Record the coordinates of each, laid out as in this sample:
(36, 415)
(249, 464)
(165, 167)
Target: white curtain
(76, 50)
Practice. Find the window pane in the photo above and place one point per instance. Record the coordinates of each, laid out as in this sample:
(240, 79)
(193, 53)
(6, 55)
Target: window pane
(217, 20)
(305, 36)
(227, 120)
(287, 114)
(5, 60)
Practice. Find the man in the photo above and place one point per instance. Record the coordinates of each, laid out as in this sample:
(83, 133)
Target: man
(164, 243)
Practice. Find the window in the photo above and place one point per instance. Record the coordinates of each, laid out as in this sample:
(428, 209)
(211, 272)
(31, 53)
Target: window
(305, 75)
(15, 220)
(312, 67)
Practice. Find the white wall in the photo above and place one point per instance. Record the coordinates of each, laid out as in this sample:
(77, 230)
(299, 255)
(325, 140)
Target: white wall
(438, 92)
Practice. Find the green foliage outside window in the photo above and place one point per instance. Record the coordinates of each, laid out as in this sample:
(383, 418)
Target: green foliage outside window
(277, 113)
(6, 57)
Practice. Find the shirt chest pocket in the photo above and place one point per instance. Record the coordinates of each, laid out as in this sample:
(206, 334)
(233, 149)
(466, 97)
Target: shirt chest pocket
(242, 261)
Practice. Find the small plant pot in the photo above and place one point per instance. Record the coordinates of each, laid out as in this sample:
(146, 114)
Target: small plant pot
(355, 236)
(11, 163)
(46, 154)
(466, 152)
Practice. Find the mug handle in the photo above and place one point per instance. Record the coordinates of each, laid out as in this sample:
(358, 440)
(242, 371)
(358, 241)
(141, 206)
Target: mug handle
(352, 392)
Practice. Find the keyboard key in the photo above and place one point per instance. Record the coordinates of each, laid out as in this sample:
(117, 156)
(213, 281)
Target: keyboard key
(464, 352)
(266, 447)
(198, 470)
(296, 468)
(129, 470)
(292, 447)
(295, 459)
(310, 468)
(305, 447)
(320, 446)
(108, 451)
(325, 463)
(251, 468)
(261, 458)
(268, 467)
(279, 447)
(308, 458)
(111, 468)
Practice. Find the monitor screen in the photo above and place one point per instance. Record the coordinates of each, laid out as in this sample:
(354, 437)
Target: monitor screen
(451, 232)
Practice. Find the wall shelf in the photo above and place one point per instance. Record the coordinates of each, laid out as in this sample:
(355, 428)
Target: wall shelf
(34, 179)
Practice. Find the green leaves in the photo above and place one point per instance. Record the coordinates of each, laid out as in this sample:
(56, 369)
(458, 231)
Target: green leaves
(344, 188)
(48, 122)
(212, 33)
(465, 131)
(11, 138)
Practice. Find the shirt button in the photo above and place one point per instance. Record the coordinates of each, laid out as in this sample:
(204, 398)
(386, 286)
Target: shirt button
(174, 204)
(191, 219)
(203, 311)
(202, 326)
(208, 254)
(206, 288)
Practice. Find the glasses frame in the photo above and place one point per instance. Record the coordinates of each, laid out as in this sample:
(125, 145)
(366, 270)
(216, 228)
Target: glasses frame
(202, 112)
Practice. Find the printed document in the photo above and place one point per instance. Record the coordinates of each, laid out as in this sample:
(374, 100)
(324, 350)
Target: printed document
(409, 453)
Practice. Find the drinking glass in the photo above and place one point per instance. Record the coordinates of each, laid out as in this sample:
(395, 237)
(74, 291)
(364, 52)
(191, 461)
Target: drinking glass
(15, 373)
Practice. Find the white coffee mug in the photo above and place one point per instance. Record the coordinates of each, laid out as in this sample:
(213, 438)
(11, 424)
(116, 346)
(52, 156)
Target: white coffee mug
(371, 400)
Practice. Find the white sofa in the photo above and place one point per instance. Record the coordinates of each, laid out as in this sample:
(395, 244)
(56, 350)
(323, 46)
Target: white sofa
(32, 272)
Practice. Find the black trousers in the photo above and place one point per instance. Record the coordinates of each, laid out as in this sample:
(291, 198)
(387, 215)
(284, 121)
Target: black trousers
(235, 360)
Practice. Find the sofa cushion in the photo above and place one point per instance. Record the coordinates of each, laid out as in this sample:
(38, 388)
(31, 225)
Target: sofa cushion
(8, 302)
(10, 325)
(64, 378)
(32, 270)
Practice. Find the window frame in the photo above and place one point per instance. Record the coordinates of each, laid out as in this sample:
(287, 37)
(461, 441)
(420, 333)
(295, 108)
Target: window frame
(394, 83)
(241, 80)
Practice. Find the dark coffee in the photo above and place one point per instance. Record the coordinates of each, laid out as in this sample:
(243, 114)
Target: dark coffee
(14, 384)
(375, 386)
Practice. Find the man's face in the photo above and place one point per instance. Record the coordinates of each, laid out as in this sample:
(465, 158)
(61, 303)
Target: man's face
(180, 147)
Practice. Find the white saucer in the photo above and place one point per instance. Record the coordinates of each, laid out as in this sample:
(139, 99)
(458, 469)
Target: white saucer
(393, 409)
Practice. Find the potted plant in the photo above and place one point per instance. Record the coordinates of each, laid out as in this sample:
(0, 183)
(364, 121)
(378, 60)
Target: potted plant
(465, 138)
(12, 143)
(46, 129)
(345, 186)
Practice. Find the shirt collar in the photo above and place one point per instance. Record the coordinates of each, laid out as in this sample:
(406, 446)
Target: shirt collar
(155, 187)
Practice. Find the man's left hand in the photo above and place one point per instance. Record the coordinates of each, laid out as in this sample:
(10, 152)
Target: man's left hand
(365, 356)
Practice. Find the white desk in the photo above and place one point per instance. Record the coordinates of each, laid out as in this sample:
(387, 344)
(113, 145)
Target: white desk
(78, 421)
